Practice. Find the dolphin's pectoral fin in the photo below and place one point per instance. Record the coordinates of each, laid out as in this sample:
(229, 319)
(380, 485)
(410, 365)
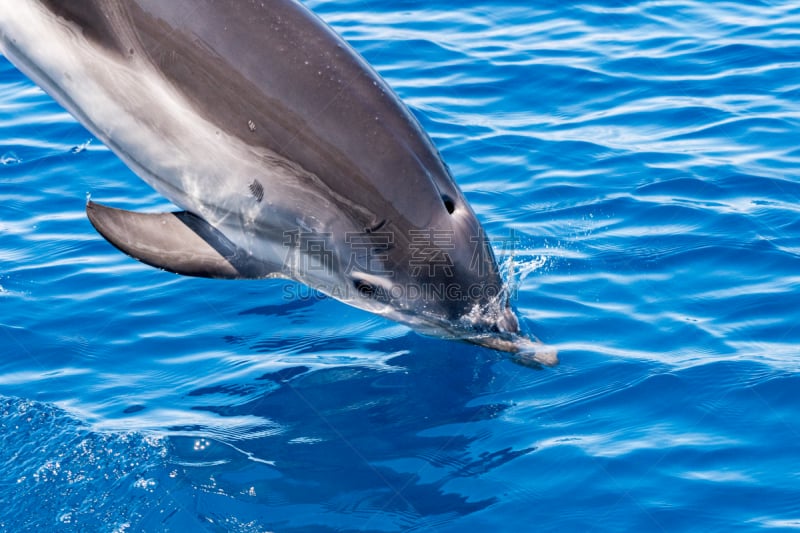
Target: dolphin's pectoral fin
(177, 242)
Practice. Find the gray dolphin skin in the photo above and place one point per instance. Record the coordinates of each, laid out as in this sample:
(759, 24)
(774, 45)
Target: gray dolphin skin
(288, 155)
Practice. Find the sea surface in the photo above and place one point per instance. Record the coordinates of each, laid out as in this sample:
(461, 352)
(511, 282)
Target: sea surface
(637, 164)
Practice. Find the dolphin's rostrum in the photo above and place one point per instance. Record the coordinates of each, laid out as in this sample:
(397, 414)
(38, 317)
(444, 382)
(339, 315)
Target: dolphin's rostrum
(289, 155)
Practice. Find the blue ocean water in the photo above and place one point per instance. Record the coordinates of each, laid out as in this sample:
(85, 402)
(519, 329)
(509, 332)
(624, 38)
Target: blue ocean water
(638, 166)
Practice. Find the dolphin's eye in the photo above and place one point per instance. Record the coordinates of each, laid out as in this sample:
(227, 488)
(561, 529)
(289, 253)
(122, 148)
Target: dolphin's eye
(364, 288)
(449, 204)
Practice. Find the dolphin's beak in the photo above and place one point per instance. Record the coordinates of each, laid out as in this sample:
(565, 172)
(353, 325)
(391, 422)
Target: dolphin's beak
(538, 353)
(508, 338)
(523, 350)
(526, 350)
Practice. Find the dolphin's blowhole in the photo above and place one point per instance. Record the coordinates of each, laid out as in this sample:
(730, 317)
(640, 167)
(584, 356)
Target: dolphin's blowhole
(449, 204)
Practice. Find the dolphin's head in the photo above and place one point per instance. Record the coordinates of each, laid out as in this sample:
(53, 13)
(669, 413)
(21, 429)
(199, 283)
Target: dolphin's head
(438, 274)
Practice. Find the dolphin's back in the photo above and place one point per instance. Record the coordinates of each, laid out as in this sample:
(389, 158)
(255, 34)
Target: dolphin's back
(311, 98)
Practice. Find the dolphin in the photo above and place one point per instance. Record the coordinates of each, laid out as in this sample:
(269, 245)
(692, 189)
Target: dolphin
(288, 155)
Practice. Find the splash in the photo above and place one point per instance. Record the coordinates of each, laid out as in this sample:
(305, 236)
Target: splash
(516, 269)
(518, 259)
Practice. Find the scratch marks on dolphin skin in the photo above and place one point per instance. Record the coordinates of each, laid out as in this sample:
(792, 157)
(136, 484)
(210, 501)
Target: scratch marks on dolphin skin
(257, 190)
